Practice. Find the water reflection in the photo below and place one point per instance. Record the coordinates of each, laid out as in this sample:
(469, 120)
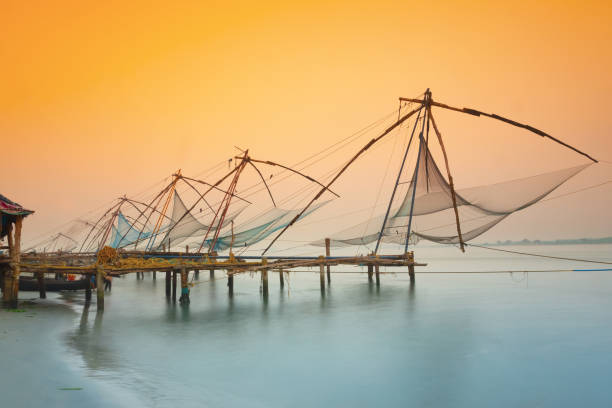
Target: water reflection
(91, 343)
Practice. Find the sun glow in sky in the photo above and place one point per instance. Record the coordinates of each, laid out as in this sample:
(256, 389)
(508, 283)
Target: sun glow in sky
(99, 99)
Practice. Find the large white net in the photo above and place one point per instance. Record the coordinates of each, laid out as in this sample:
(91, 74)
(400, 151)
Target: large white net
(480, 208)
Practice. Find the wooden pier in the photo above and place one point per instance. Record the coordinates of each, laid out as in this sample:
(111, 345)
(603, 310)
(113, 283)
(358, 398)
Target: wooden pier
(179, 264)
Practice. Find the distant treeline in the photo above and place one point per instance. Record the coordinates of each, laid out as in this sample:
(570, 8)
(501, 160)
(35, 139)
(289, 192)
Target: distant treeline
(580, 241)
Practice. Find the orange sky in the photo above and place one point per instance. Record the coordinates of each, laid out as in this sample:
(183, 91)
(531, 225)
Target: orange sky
(104, 98)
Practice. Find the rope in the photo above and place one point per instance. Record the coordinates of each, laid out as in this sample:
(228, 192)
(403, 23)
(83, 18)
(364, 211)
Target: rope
(540, 255)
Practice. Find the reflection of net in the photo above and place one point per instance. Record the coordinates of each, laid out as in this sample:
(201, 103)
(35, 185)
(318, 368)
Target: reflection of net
(480, 208)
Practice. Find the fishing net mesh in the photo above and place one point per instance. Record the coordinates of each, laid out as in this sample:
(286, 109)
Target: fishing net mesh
(480, 208)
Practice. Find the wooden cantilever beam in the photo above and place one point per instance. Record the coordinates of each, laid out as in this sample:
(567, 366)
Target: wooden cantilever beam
(271, 163)
(262, 179)
(342, 170)
(475, 112)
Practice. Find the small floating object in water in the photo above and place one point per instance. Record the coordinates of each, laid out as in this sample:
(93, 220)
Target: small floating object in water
(70, 388)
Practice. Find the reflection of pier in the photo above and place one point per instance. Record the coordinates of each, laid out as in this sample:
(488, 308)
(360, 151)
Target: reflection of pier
(176, 264)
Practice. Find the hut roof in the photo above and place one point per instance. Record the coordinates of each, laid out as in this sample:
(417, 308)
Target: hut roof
(9, 210)
(8, 207)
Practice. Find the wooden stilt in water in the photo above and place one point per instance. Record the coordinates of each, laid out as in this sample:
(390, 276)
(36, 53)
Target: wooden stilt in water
(168, 279)
(327, 254)
(230, 283)
(322, 273)
(212, 259)
(174, 286)
(370, 269)
(411, 273)
(264, 276)
(88, 289)
(42, 289)
(184, 287)
(377, 271)
(154, 275)
(100, 287)
(11, 274)
(281, 278)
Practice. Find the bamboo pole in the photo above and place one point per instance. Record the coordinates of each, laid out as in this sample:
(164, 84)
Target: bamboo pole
(475, 112)
(281, 278)
(450, 178)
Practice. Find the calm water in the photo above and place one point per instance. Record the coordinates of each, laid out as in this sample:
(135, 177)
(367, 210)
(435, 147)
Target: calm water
(536, 340)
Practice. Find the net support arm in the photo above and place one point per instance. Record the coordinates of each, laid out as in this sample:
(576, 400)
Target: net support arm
(262, 179)
(346, 166)
(450, 178)
(271, 163)
(475, 112)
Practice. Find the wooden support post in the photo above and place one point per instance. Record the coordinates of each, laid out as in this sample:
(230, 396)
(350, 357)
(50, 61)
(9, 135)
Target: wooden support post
(17, 258)
(168, 279)
(7, 281)
(173, 285)
(411, 273)
(322, 272)
(100, 287)
(377, 271)
(154, 275)
(212, 259)
(281, 278)
(184, 286)
(327, 254)
(264, 276)
(11, 274)
(230, 283)
(88, 289)
(370, 269)
(42, 289)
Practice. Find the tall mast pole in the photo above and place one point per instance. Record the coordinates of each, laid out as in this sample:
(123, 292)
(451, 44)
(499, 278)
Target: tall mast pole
(399, 174)
(426, 100)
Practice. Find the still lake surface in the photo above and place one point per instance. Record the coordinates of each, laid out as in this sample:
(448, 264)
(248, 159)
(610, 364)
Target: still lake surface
(469, 340)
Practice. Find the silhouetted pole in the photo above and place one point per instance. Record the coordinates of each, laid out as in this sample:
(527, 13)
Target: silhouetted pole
(100, 287)
(42, 290)
(327, 254)
(264, 276)
(174, 286)
(184, 286)
(322, 272)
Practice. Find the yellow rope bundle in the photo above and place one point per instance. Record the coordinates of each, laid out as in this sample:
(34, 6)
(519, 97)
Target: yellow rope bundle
(107, 256)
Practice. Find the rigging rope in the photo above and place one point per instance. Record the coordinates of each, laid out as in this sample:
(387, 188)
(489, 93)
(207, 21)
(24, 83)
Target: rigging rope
(540, 255)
